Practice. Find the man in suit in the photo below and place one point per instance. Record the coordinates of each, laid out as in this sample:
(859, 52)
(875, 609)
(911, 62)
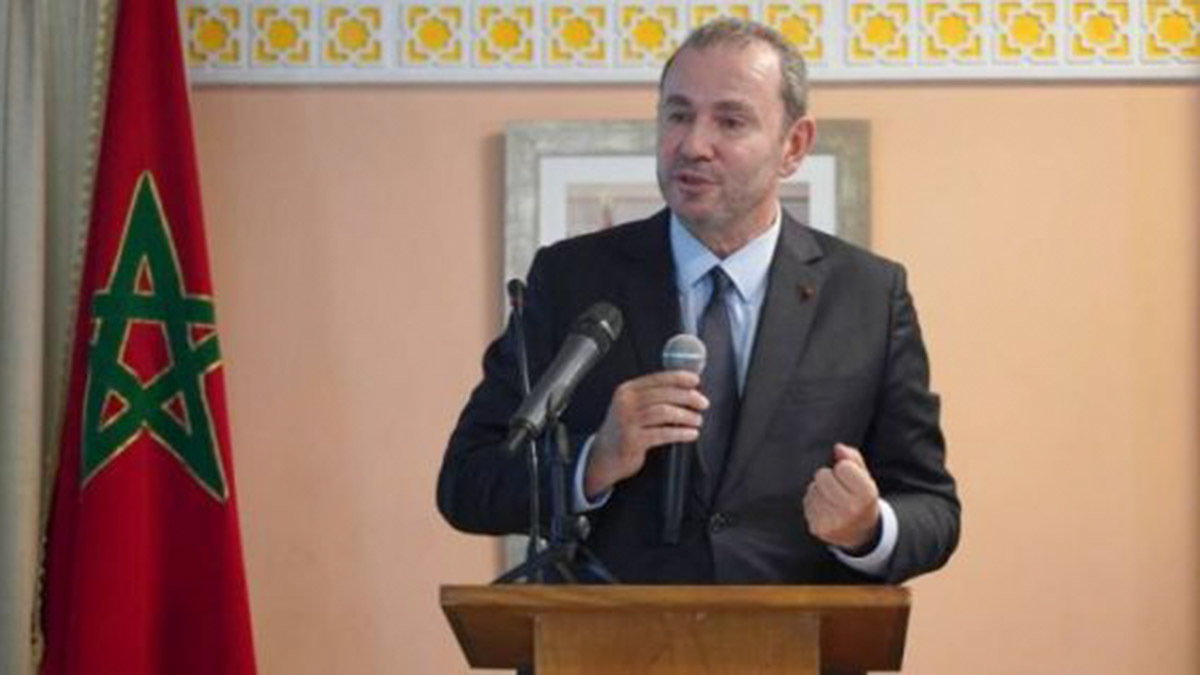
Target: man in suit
(818, 452)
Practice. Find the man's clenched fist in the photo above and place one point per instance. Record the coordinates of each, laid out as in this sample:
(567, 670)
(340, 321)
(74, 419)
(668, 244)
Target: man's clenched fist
(841, 504)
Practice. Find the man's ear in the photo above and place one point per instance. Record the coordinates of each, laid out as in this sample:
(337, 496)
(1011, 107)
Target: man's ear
(797, 142)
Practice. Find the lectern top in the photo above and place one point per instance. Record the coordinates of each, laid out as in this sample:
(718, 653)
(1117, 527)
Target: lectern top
(861, 627)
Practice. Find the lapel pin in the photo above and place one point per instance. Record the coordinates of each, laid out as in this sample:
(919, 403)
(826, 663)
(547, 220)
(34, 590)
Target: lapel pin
(806, 292)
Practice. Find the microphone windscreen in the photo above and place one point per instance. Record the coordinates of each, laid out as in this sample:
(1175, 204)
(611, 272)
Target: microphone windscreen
(684, 352)
(602, 323)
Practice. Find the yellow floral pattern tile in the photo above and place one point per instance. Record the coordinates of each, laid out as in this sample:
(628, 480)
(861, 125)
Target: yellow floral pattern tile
(879, 32)
(214, 34)
(648, 32)
(1100, 29)
(1027, 30)
(802, 23)
(578, 34)
(504, 33)
(283, 35)
(434, 34)
(952, 31)
(1171, 30)
(700, 13)
(352, 35)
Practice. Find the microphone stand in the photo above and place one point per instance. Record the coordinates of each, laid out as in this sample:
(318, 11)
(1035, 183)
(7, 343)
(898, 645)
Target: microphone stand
(567, 532)
(516, 300)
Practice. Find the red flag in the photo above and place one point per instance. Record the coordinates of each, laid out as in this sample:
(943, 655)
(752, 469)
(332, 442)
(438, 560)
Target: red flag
(143, 567)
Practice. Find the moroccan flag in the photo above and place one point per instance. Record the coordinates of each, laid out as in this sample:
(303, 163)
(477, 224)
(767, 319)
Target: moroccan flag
(143, 565)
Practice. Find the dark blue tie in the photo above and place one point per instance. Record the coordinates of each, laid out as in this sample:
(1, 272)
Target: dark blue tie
(719, 382)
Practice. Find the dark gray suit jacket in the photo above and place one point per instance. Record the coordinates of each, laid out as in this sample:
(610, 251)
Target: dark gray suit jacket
(838, 357)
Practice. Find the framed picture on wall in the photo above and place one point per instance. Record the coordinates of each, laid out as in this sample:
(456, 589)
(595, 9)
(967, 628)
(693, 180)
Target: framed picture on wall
(568, 178)
(563, 179)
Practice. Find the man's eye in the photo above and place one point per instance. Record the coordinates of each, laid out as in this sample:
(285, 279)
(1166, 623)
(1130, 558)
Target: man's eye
(732, 123)
(677, 116)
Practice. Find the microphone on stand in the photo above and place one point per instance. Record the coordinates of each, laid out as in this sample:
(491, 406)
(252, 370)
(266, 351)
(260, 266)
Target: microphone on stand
(682, 352)
(589, 339)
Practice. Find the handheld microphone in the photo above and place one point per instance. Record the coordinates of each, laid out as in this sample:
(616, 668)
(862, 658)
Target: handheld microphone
(589, 339)
(682, 352)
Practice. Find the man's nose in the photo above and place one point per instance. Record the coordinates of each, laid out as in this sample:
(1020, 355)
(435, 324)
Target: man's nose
(697, 142)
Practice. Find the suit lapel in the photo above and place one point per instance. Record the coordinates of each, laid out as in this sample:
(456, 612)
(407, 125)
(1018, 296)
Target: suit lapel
(649, 298)
(793, 293)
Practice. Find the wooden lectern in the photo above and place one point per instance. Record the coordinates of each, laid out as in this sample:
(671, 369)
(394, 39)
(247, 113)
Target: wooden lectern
(680, 629)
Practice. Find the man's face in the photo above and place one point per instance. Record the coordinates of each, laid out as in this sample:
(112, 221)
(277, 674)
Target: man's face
(722, 142)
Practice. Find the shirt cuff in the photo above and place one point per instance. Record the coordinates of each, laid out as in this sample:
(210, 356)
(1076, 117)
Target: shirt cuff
(876, 562)
(581, 503)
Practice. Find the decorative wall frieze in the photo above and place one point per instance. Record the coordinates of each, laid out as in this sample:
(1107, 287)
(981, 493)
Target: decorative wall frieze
(327, 41)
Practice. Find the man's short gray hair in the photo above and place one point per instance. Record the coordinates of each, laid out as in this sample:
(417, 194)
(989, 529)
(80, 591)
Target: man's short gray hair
(741, 33)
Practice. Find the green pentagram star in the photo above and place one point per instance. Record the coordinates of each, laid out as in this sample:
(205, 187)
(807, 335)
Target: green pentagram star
(145, 290)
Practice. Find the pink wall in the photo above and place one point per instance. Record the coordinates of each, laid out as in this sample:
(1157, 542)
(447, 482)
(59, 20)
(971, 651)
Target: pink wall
(1051, 237)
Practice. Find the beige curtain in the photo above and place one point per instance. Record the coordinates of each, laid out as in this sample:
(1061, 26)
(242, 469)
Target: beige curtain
(49, 76)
